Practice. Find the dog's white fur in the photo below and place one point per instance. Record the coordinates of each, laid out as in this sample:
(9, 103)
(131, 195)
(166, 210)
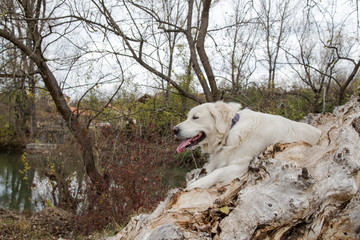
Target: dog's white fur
(232, 148)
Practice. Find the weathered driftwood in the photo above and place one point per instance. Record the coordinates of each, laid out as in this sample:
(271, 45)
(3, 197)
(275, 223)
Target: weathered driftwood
(293, 191)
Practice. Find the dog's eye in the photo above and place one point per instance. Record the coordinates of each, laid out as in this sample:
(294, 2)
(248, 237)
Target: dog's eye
(195, 117)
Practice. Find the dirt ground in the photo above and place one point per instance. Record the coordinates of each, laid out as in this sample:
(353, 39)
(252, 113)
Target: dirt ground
(50, 223)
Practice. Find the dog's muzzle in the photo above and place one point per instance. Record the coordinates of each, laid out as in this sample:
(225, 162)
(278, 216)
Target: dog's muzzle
(188, 142)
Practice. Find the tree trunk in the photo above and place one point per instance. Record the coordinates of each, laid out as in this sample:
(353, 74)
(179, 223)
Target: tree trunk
(347, 83)
(80, 132)
(200, 46)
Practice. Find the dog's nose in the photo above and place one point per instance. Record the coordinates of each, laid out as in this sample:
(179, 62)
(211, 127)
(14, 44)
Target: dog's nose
(176, 130)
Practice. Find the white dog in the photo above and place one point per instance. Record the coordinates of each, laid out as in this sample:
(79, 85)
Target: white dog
(233, 137)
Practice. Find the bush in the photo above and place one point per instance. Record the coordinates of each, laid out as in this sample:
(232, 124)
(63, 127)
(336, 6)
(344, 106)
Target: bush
(134, 168)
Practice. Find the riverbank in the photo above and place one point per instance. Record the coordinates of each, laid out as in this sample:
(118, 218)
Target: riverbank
(50, 223)
(12, 147)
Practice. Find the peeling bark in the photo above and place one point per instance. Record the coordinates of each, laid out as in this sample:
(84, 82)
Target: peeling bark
(292, 191)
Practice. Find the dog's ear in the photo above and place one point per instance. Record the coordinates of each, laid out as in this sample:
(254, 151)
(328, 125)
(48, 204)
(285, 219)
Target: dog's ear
(236, 106)
(222, 113)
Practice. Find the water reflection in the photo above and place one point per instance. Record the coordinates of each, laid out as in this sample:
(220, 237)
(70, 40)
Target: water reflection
(18, 192)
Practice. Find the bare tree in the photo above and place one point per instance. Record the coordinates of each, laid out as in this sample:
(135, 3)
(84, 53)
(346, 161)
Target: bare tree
(37, 20)
(190, 24)
(274, 18)
(344, 44)
(21, 75)
(326, 52)
(308, 61)
(166, 45)
(243, 39)
(343, 57)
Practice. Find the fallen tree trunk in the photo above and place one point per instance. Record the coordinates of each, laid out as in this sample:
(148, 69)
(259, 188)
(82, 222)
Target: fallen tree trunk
(292, 191)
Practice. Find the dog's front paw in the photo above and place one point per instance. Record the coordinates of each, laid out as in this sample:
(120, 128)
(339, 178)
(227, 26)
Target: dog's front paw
(192, 185)
(200, 183)
(189, 183)
(194, 175)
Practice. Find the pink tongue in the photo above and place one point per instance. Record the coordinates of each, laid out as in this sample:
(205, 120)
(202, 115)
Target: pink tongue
(183, 145)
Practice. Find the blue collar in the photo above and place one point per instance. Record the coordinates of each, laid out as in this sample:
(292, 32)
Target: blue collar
(235, 120)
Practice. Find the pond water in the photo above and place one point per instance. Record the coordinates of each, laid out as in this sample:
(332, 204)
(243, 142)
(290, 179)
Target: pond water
(23, 187)
(19, 189)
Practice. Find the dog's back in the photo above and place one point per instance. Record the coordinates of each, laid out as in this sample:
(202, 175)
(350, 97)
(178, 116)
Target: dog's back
(255, 131)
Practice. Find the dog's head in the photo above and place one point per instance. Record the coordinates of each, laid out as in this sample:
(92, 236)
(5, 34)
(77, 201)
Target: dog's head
(206, 125)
